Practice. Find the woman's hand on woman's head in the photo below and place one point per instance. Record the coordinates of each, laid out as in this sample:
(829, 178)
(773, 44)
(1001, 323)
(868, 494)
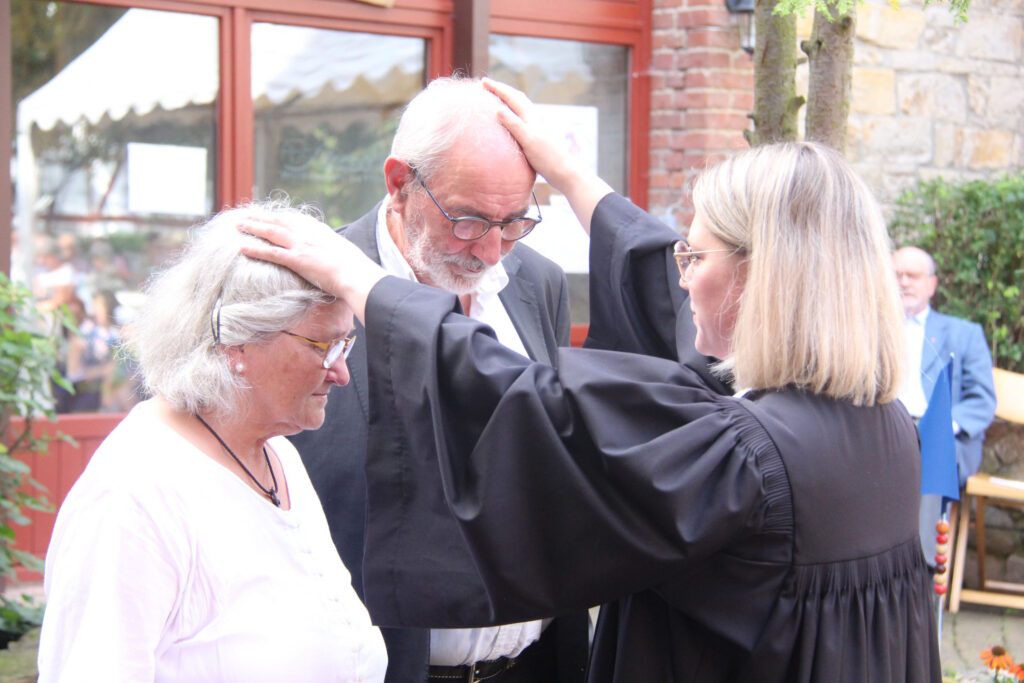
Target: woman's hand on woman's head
(545, 153)
(320, 255)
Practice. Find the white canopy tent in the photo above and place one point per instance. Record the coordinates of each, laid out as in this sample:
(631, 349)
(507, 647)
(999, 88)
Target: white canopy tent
(151, 60)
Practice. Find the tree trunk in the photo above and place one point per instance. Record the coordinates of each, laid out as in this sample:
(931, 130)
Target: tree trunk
(830, 54)
(775, 100)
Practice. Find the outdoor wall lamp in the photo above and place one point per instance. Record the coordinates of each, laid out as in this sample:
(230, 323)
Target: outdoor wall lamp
(744, 8)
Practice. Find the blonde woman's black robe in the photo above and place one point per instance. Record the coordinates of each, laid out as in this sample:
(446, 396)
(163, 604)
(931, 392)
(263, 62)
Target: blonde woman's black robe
(766, 538)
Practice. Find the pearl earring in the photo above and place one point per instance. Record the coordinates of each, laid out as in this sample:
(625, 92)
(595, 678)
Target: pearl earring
(239, 367)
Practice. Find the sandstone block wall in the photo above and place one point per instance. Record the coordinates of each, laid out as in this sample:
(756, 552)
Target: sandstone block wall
(930, 97)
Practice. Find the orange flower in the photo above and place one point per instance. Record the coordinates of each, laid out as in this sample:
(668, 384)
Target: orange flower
(1017, 671)
(997, 658)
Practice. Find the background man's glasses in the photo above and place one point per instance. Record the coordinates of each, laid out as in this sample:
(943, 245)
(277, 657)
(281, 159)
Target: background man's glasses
(469, 228)
(334, 349)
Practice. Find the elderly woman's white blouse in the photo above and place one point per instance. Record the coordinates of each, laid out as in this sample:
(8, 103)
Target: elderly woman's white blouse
(165, 566)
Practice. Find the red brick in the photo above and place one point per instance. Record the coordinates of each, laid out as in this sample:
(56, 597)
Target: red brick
(704, 140)
(720, 79)
(664, 100)
(717, 120)
(703, 78)
(673, 161)
(703, 59)
(717, 36)
(703, 17)
(738, 80)
(675, 79)
(698, 159)
(665, 61)
(666, 120)
(743, 99)
(678, 180)
(671, 40)
(659, 180)
(705, 99)
(661, 20)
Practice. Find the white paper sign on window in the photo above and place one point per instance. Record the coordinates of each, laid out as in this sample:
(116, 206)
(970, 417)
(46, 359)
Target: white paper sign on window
(560, 236)
(576, 128)
(166, 179)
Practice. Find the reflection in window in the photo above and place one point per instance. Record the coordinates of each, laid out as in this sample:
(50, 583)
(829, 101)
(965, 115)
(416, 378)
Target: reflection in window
(114, 157)
(589, 82)
(326, 106)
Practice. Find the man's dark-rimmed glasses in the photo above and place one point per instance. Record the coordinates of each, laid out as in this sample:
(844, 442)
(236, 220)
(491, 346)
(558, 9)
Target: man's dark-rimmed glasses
(469, 228)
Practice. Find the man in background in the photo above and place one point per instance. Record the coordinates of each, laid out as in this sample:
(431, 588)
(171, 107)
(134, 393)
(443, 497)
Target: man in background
(934, 339)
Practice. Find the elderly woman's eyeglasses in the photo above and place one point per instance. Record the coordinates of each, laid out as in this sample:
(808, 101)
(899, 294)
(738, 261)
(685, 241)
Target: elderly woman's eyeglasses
(469, 228)
(333, 349)
(687, 259)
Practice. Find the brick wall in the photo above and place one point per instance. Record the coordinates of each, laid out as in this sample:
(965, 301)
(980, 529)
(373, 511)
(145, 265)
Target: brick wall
(701, 92)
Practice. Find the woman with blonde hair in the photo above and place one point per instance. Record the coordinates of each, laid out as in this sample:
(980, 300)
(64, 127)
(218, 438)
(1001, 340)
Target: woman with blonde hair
(769, 536)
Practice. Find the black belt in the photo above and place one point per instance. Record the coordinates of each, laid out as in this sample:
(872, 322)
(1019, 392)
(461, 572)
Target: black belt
(471, 673)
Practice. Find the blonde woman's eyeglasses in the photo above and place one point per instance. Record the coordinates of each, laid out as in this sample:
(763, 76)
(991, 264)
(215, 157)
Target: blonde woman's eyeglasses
(687, 259)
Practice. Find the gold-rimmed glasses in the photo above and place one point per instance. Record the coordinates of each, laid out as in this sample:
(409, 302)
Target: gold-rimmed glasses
(333, 349)
(687, 259)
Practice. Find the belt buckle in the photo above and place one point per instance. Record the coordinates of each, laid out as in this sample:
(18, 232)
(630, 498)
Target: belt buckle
(474, 675)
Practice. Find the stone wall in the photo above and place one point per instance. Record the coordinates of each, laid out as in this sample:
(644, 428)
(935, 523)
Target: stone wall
(929, 97)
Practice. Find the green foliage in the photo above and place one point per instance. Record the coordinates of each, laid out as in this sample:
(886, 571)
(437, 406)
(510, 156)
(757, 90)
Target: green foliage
(49, 35)
(28, 368)
(17, 617)
(975, 233)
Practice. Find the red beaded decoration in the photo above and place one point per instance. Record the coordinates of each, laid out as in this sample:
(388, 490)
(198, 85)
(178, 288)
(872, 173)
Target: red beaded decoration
(941, 577)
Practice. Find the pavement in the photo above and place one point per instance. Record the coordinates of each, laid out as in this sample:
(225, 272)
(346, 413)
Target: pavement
(964, 635)
(973, 629)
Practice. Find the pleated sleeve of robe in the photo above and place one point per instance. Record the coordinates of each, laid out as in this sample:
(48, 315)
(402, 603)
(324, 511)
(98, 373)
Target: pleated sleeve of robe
(772, 539)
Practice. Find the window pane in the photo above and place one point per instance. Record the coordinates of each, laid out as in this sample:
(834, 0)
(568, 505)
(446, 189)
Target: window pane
(327, 104)
(589, 83)
(114, 157)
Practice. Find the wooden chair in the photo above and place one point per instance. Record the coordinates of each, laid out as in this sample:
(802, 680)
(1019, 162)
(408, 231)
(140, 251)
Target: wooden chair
(988, 490)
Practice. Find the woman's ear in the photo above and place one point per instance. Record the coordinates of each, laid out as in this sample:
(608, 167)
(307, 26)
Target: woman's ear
(236, 358)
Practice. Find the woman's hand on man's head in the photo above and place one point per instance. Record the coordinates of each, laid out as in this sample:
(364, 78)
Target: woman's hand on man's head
(318, 254)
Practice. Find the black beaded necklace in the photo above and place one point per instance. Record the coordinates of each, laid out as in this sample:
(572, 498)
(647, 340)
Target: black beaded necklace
(272, 491)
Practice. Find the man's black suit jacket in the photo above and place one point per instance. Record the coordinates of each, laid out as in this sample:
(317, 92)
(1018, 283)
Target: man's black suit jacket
(536, 299)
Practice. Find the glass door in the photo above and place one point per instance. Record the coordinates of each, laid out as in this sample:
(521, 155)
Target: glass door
(326, 105)
(114, 156)
(583, 91)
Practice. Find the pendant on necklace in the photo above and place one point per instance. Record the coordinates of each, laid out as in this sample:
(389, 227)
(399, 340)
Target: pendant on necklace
(274, 499)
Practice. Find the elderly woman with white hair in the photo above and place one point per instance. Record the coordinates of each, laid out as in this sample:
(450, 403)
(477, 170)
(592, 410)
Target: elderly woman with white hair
(193, 546)
(770, 536)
